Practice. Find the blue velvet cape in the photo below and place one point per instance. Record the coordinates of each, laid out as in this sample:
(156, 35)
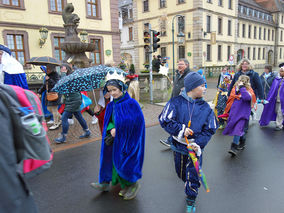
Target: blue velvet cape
(16, 79)
(127, 152)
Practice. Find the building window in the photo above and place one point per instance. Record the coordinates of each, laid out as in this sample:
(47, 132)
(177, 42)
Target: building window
(146, 5)
(238, 30)
(281, 35)
(181, 52)
(208, 56)
(163, 27)
(93, 9)
(181, 24)
(280, 55)
(244, 31)
(258, 55)
(130, 32)
(259, 33)
(263, 53)
(268, 34)
(220, 21)
(249, 31)
(96, 55)
(162, 3)
(272, 36)
(209, 1)
(58, 52)
(56, 6)
(282, 19)
(163, 52)
(229, 27)
(208, 24)
(15, 42)
(16, 4)
(249, 53)
(181, 1)
(220, 2)
(264, 33)
(228, 52)
(253, 53)
(230, 4)
(219, 52)
(254, 32)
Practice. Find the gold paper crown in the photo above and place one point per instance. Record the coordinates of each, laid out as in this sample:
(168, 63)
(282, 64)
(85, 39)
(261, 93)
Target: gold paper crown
(113, 74)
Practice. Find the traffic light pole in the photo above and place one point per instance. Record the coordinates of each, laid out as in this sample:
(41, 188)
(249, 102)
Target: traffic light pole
(150, 67)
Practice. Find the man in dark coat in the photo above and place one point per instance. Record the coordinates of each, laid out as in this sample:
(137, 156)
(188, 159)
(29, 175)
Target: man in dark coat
(178, 84)
(15, 196)
(156, 62)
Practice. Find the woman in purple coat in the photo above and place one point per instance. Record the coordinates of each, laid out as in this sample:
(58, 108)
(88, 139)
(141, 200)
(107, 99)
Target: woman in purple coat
(239, 112)
(274, 110)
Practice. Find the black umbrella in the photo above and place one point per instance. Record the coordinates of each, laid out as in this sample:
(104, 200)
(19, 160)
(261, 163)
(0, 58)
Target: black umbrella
(44, 60)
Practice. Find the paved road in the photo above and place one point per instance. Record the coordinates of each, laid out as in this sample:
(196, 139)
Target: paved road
(249, 183)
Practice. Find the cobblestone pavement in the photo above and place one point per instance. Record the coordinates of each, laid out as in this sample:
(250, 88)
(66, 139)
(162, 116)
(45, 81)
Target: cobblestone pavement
(150, 111)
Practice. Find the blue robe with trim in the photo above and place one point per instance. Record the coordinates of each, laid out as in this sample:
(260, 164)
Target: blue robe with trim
(126, 153)
(16, 79)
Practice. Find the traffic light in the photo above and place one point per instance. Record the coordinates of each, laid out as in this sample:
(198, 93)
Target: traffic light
(147, 41)
(155, 40)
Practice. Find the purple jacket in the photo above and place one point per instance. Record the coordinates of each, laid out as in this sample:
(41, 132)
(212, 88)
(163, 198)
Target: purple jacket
(239, 114)
(269, 113)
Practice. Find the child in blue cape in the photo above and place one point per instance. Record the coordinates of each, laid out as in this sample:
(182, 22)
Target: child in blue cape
(123, 141)
(189, 106)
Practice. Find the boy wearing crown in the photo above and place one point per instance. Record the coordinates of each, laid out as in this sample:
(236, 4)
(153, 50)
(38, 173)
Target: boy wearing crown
(123, 140)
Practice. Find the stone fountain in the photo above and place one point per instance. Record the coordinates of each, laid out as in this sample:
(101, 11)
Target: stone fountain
(75, 50)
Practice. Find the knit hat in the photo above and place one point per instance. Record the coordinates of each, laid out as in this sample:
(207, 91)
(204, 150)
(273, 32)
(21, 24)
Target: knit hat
(193, 80)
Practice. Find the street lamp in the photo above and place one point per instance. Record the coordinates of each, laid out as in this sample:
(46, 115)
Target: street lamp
(180, 40)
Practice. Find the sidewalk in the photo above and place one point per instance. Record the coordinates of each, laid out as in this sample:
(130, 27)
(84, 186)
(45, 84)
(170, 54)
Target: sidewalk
(150, 111)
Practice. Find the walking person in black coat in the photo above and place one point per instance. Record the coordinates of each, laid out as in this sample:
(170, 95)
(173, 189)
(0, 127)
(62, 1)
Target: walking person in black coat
(267, 78)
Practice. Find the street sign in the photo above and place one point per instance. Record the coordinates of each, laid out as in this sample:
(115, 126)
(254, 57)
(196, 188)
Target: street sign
(189, 54)
(231, 60)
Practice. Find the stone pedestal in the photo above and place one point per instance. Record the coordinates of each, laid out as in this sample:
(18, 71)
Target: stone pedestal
(160, 88)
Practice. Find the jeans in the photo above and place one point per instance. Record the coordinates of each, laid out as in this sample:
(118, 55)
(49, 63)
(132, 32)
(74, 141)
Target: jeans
(78, 116)
(236, 139)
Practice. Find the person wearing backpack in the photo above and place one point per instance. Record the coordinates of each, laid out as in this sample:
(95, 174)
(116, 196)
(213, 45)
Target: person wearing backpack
(24, 147)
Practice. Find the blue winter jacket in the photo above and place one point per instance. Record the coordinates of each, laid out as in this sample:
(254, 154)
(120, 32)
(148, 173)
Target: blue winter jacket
(176, 114)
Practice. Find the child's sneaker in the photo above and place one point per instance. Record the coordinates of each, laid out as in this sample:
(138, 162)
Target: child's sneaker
(86, 134)
(103, 187)
(190, 206)
(122, 192)
(132, 191)
(242, 145)
(50, 122)
(234, 149)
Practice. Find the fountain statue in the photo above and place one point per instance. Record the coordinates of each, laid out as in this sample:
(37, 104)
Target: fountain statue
(72, 46)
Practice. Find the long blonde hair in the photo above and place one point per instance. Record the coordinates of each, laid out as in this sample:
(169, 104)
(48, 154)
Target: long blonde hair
(245, 80)
(239, 67)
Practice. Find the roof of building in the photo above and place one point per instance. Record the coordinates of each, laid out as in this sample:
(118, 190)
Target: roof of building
(271, 5)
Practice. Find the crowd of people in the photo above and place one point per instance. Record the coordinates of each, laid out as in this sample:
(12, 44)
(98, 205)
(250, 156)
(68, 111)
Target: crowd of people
(187, 117)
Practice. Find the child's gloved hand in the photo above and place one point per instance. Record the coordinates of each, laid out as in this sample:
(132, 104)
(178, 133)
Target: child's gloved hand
(188, 132)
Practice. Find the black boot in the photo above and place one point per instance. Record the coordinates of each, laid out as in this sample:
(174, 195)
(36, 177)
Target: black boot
(234, 149)
(242, 144)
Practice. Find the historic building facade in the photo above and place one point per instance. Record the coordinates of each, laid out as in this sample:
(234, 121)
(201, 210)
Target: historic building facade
(21, 20)
(214, 30)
